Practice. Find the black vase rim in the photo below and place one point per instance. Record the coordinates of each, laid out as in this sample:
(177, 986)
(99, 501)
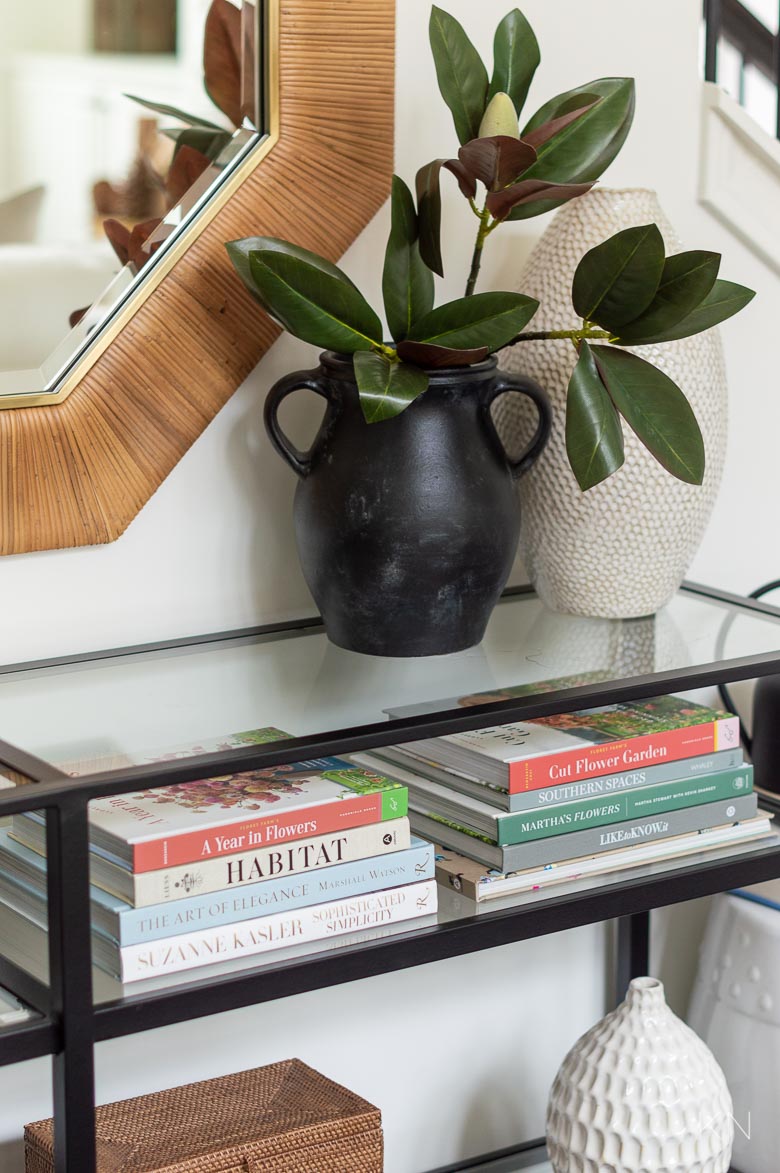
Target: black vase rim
(342, 366)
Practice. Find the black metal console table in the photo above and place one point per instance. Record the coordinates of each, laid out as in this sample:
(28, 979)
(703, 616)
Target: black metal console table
(129, 701)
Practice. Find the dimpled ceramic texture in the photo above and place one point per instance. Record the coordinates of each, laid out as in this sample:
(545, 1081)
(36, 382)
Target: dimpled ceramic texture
(622, 549)
(640, 1093)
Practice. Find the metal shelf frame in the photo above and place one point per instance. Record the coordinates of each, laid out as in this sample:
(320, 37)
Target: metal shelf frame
(70, 1024)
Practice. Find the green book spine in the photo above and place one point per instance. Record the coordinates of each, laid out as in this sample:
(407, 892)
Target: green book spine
(524, 826)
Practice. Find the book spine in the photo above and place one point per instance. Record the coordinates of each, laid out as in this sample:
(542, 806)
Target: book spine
(611, 757)
(589, 841)
(269, 830)
(599, 812)
(277, 896)
(686, 768)
(279, 930)
(249, 867)
(492, 885)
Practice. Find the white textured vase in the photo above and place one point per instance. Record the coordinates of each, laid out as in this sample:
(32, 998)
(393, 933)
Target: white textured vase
(622, 549)
(640, 1093)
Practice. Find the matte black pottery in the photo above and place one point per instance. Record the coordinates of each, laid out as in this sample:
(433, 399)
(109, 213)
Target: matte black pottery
(407, 529)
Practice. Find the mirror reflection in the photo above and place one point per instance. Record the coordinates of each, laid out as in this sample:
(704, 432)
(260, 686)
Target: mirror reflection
(118, 120)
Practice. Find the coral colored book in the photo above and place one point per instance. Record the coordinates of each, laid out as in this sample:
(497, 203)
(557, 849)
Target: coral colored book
(567, 747)
(193, 821)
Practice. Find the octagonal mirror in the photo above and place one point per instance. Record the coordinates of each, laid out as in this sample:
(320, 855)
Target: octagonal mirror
(123, 120)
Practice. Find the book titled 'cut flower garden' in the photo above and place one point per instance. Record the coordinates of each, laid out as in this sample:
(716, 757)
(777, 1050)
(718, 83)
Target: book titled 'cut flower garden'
(566, 747)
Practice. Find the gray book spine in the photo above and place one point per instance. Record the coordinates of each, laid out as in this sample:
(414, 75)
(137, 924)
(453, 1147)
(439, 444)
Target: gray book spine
(727, 759)
(591, 841)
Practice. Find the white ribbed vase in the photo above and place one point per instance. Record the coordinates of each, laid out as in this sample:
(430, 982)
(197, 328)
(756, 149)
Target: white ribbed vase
(640, 1093)
(621, 550)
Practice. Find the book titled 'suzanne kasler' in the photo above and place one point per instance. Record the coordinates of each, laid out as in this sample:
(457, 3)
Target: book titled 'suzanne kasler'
(190, 821)
(566, 747)
(587, 842)
(261, 934)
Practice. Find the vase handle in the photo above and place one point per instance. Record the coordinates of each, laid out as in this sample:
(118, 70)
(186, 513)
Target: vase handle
(299, 462)
(504, 383)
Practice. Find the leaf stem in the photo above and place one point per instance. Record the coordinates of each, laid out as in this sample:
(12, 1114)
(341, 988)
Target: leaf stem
(551, 335)
(476, 260)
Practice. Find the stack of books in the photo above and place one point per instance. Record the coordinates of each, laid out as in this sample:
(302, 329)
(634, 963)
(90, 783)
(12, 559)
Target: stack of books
(231, 866)
(515, 807)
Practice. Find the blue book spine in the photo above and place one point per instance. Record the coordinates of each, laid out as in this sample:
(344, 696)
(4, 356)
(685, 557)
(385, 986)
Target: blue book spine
(282, 894)
(133, 926)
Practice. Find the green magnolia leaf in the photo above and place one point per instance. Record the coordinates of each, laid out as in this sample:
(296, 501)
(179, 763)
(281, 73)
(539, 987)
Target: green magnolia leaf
(429, 215)
(407, 282)
(385, 387)
(584, 148)
(616, 281)
(463, 79)
(486, 319)
(173, 112)
(239, 250)
(209, 142)
(515, 58)
(594, 435)
(686, 280)
(312, 303)
(542, 134)
(655, 408)
(723, 301)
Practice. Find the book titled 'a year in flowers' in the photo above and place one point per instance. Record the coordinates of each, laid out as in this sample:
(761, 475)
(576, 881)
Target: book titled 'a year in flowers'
(217, 816)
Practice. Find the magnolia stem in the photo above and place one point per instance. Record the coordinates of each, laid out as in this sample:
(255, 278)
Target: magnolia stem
(476, 260)
(550, 335)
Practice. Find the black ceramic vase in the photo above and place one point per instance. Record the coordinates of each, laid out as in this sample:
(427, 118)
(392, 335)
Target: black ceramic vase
(407, 529)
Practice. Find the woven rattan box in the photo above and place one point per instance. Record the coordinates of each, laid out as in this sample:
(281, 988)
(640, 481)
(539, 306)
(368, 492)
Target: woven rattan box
(285, 1118)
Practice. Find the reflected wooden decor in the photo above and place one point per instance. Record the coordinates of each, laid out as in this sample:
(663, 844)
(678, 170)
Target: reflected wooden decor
(76, 473)
(134, 26)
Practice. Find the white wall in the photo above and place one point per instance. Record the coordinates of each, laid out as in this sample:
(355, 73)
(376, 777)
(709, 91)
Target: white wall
(460, 1054)
(51, 26)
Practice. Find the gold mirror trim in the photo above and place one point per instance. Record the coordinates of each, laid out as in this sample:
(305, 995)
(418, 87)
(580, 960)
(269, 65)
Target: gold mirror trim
(76, 472)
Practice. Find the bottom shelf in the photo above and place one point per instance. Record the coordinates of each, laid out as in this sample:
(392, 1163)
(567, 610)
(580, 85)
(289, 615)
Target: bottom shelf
(525, 1158)
(530, 1158)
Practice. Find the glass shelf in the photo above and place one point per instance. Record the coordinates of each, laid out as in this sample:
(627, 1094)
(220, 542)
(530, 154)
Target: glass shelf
(528, 1158)
(109, 710)
(460, 926)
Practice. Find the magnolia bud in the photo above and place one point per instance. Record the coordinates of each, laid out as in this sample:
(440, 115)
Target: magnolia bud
(499, 118)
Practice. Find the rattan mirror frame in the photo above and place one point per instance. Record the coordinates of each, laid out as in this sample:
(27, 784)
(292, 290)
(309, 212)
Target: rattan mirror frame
(76, 473)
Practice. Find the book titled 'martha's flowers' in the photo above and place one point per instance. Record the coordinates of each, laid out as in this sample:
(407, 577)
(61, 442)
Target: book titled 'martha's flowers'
(566, 747)
(224, 815)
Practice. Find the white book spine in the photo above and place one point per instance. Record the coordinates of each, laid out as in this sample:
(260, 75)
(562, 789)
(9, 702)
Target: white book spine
(262, 934)
(224, 873)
